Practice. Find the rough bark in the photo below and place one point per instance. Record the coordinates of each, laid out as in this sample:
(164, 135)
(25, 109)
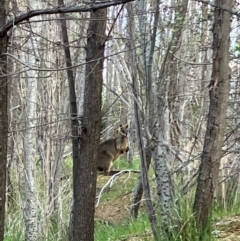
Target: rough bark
(84, 169)
(161, 155)
(3, 119)
(161, 130)
(219, 94)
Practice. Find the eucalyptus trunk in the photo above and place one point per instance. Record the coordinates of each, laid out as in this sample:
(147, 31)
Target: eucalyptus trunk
(30, 210)
(84, 167)
(219, 94)
(165, 98)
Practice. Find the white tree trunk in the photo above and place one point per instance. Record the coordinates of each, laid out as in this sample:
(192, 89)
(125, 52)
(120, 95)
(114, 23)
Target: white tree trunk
(30, 210)
(31, 207)
(160, 157)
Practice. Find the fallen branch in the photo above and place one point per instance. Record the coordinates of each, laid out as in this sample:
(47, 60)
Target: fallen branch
(111, 181)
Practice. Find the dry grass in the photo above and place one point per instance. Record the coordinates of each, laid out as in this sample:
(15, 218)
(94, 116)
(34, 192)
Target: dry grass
(228, 229)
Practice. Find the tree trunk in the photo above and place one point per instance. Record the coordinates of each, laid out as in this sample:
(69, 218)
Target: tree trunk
(31, 207)
(143, 185)
(73, 111)
(160, 104)
(84, 168)
(160, 158)
(3, 119)
(30, 210)
(144, 172)
(219, 94)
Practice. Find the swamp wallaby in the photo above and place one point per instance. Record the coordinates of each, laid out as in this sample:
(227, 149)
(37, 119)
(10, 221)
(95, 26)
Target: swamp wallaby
(111, 149)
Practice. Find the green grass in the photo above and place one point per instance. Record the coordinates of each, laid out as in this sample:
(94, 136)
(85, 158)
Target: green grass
(182, 226)
(127, 181)
(138, 228)
(115, 191)
(122, 164)
(232, 207)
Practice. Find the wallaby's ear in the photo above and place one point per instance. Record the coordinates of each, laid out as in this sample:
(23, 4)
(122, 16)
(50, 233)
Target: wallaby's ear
(127, 126)
(120, 125)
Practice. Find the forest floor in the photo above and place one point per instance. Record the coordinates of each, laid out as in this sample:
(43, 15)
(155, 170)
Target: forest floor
(228, 229)
(114, 209)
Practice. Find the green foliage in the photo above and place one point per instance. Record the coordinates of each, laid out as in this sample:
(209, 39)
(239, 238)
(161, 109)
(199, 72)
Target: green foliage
(237, 48)
(68, 164)
(122, 164)
(195, 109)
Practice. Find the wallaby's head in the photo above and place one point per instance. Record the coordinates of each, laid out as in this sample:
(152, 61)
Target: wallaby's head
(123, 129)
